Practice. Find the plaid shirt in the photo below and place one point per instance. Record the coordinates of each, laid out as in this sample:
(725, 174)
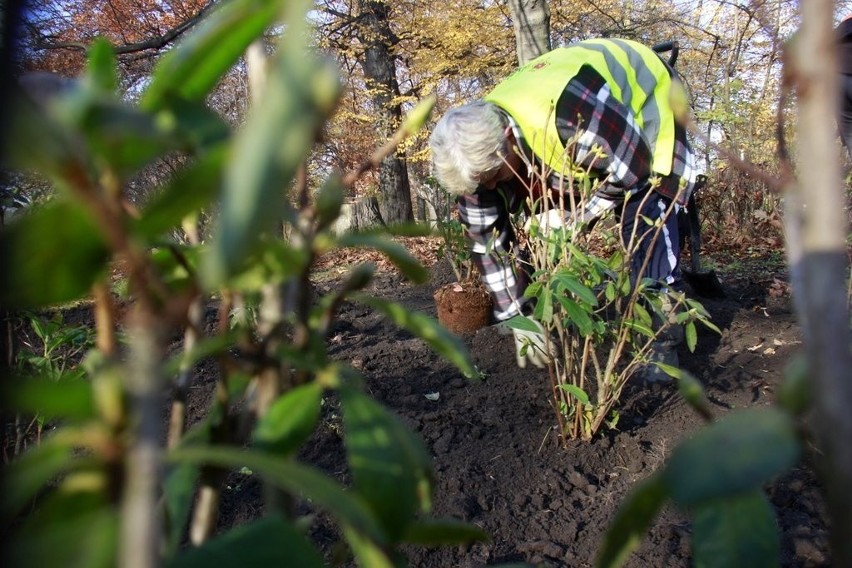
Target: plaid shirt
(623, 165)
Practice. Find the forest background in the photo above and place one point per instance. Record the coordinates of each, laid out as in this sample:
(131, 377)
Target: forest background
(394, 53)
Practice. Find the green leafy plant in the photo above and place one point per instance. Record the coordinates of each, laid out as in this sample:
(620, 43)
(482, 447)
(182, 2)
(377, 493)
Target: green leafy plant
(57, 348)
(600, 325)
(54, 353)
(454, 244)
(454, 248)
(717, 476)
(102, 489)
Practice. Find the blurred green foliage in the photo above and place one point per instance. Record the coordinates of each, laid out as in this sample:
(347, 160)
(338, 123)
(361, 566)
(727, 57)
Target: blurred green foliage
(71, 492)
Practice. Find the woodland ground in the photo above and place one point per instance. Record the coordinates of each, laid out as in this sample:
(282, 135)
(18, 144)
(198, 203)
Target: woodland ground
(497, 459)
(498, 462)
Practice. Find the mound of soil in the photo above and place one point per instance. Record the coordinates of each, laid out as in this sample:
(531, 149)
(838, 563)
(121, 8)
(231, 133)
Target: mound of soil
(497, 459)
(463, 307)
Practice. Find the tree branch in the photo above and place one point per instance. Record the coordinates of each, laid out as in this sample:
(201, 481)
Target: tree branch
(152, 44)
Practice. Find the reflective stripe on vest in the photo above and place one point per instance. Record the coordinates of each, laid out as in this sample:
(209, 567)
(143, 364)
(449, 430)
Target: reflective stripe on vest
(636, 76)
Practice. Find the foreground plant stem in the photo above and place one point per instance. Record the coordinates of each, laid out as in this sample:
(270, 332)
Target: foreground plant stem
(140, 527)
(816, 229)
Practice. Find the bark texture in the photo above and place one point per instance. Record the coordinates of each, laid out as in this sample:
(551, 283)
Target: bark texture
(531, 22)
(379, 64)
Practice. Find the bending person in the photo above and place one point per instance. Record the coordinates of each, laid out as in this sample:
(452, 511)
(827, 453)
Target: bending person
(616, 95)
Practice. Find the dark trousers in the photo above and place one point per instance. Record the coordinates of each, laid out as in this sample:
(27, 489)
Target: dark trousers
(662, 252)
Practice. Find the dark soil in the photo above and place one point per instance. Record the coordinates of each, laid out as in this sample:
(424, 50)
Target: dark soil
(497, 459)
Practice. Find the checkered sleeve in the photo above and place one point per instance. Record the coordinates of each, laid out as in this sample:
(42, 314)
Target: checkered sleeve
(612, 145)
(486, 216)
(607, 140)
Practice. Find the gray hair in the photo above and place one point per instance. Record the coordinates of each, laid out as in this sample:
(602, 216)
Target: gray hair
(466, 142)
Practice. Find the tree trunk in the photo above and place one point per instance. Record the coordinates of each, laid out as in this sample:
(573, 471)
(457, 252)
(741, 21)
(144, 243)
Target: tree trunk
(379, 64)
(816, 226)
(363, 214)
(366, 213)
(531, 22)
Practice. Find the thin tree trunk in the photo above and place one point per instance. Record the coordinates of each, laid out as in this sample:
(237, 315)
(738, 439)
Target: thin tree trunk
(816, 226)
(379, 64)
(531, 22)
(140, 529)
(365, 214)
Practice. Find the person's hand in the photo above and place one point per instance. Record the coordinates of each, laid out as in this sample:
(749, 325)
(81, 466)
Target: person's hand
(530, 346)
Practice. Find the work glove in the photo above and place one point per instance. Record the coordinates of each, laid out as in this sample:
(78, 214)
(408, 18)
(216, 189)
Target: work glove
(542, 223)
(530, 346)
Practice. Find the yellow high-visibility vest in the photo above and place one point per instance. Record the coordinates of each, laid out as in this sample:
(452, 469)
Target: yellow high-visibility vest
(636, 76)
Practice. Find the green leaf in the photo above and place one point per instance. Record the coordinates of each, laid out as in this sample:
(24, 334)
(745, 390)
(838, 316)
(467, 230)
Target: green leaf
(794, 394)
(403, 230)
(523, 323)
(632, 521)
(671, 370)
(739, 453)
(583, 293)
(418, 116)
(69, 529)
(577, 393)
(390, 467)
(691, 336)
(698, 307)
(38, 141)
(533, 290)
(195, 66)
(57, 254)
(270, 541)
(642, 315)
(544, 307)
(176, 265)
(609, 291)
(710, 325)
(638, 327)
(194, 124)
(178, 495)
(26, 475)
(300, 91)
(692, 391)
(294, 478)
(398, 254)
(290, 420)
(426, 328)
(271, 262)
(443, 532)
(578, 315)
(101, 66)
(122, 136)
(367, 553)
(69, 399)
(40, 327)
(192, 189)
(739, 532)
